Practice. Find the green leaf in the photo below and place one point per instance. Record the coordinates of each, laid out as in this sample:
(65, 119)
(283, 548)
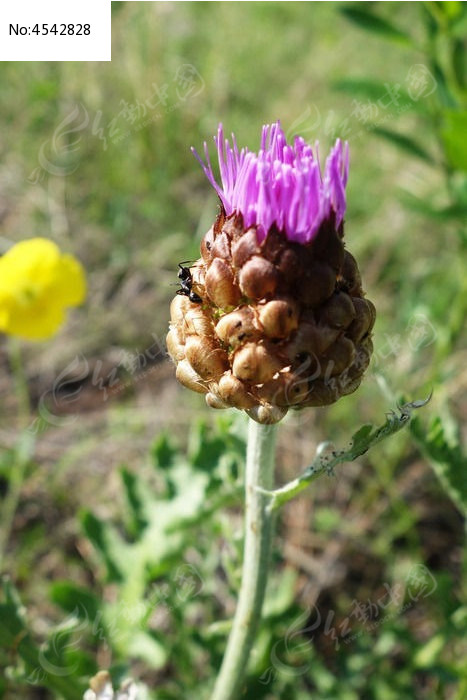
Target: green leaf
(360, 438)
(146, 647)
(327, 459)
(135, 496)
(459, 60)
(281, 594)
(458, 28)
(163, 452)
(426, 656)
(405, 143)
(113, 550)
(444, 92)
(377, 25)
(446, 457)
(41, 663)
(453, 134)
(206, 448)
(451, 9)
(449, 213)
(375, 90)
(75, 599)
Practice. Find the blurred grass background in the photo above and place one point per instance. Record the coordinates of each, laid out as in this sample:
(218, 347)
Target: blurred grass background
(97, 157)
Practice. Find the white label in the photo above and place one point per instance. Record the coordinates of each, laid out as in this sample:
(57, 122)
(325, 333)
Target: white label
(78, 30)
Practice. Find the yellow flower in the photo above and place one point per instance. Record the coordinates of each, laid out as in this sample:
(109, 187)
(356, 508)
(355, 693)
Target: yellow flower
(37, 284)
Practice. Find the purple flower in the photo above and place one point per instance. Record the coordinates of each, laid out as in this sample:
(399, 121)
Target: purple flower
(281, 184)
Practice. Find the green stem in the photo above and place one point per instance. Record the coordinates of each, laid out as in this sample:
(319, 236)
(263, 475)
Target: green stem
(257, 546)
(20, 381)
(23, 451)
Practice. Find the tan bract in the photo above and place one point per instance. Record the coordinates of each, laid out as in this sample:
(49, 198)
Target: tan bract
(280, 324)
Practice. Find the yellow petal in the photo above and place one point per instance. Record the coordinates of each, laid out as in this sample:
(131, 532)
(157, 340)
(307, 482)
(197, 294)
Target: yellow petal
(70, 281)
(37, 284)
(30, 261)
(39, 323)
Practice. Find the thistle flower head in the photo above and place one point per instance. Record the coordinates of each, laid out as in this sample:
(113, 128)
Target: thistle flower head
(281, 185)
(273, 316)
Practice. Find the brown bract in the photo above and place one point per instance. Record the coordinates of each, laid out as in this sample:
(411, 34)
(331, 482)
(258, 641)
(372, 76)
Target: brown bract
(280, 325)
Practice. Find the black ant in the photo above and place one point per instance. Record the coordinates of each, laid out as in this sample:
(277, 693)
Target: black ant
(186, 283)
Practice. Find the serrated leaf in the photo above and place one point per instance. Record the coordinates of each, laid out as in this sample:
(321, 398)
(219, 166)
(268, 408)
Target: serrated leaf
(377, 25)
(324, 462)
(112, 549)
(446, 457)
(405, 143)
(360, 438)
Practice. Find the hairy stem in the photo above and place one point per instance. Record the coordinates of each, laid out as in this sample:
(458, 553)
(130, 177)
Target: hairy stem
(257, 546)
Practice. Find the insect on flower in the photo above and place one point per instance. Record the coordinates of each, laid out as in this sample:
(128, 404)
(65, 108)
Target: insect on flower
(186, 283)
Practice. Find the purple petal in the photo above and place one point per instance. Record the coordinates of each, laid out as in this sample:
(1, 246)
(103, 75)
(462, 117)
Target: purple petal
(280, 185)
